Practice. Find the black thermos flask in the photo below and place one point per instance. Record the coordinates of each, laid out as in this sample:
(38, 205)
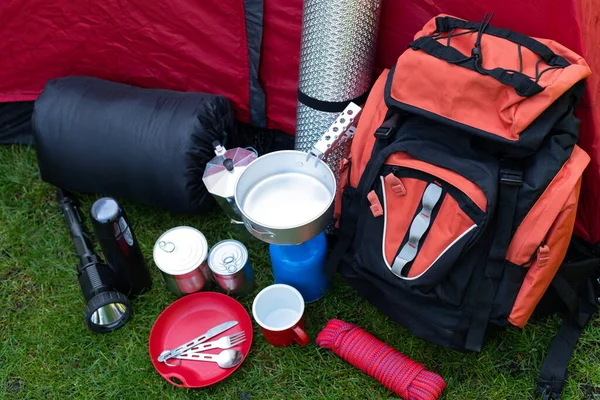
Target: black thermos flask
(120, 247)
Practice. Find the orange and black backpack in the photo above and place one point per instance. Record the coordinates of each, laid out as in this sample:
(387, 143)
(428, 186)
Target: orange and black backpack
(457, 203)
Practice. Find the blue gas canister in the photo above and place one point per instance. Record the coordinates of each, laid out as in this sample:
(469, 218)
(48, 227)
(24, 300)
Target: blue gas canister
(301, 266)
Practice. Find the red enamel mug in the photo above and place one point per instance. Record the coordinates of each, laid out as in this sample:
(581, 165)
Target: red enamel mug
(279, 311)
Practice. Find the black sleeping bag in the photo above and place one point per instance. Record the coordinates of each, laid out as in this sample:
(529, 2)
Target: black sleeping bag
(15, 123)
(146, 145)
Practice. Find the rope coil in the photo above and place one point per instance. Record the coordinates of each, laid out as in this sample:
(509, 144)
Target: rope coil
(405, 377)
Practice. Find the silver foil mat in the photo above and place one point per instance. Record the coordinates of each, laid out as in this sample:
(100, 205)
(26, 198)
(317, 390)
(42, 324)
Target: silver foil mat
(337, 57)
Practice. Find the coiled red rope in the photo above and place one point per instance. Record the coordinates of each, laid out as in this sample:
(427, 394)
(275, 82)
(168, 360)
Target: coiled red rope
(405, 377)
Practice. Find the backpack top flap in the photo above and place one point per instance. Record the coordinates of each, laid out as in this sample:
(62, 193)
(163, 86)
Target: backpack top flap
(493, 80)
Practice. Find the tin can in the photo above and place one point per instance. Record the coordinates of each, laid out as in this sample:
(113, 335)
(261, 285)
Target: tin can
(231, 268)
(180, 254)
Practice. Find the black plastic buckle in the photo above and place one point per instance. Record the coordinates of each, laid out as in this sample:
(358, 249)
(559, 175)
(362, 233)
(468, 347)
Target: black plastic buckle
(549, 394)
(549, 390)
(477, 56)
(441, 25)
(511, 177)
(385, 132)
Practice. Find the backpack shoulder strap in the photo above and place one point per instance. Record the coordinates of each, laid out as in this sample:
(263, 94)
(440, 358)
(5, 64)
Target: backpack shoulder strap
(552, 375)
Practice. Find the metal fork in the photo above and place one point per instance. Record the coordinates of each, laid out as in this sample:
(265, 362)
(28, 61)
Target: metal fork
(226, 342)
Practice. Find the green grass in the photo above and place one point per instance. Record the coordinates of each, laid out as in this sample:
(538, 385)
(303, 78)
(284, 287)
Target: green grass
(46, 352)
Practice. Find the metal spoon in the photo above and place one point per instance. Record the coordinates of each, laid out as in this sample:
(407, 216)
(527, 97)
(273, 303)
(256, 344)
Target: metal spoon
(225, 359)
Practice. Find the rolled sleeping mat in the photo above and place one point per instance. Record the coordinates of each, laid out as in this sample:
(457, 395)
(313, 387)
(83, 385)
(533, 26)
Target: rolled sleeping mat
(337, 57)
(146, 145)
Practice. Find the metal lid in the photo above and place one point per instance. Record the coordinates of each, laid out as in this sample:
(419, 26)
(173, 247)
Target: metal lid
(227, 257)
(104, 209)
(180, 250)
(222, 172)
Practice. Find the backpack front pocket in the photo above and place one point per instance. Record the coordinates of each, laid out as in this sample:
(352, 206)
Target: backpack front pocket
(429, 216)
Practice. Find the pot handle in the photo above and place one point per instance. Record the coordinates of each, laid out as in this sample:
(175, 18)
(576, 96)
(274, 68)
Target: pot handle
(269, 235)
(339, 131)
(262, 234)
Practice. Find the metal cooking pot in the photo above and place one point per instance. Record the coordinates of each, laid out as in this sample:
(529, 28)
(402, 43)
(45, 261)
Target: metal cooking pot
(287, 197)
(284, 198)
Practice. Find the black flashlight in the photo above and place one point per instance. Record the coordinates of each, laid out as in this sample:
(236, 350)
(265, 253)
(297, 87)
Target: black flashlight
(106, 309)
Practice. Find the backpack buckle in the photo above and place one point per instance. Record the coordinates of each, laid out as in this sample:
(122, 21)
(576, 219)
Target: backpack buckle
(549, 390)
(389, 126)
(384, 132)
(548, 394)
(543, 255)
(511, 177)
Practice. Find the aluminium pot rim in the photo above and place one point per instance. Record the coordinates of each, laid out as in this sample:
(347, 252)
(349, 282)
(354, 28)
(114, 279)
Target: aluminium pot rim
(280, 228)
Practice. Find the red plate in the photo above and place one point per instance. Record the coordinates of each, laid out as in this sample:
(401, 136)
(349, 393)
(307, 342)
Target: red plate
(188, 318)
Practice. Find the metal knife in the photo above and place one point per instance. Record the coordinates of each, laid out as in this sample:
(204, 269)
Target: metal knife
(195, 342)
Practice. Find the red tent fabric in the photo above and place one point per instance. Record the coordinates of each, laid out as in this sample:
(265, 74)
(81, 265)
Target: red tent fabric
(178, 44)
(203, 46)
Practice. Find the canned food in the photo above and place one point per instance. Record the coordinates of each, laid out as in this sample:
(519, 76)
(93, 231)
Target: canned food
(230, 265)
(180, 254)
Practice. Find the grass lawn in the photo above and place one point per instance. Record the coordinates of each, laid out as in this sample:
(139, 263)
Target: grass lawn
(46, 352)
